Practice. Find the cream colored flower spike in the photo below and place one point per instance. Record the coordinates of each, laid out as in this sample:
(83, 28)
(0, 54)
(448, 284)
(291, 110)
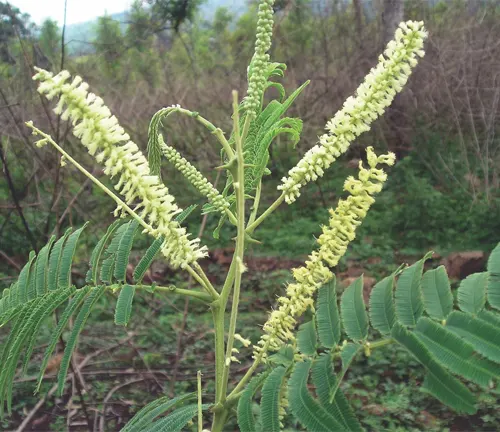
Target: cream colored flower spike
(372, 97)
(105, 139)
(336, 236)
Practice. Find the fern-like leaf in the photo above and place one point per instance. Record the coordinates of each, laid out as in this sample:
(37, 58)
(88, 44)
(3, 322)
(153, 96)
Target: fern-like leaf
(327, 315)
(67, 254)
(109, 260)
(382, 313)
(147, 414)
(325, 381)
(74, 304)
(246, 421)
(353, 310)
(480, 334)
(307, 411)
(147, 259)
(409, 304)
(55, 261)
(306, 338)
(175, 421)
(455, 354)
(41, 268)
(269, 405)
(23, 281)
(436, 291)
(80, 321)
(184, 214)
(472, 292)
(95, 258)
(124, 305)
(438, 382)
(123, 251)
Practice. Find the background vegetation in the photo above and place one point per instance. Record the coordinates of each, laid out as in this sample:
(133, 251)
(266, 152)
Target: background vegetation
(442, 195)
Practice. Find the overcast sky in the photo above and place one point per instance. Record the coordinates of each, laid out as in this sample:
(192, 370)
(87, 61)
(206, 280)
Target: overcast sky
(78, 10)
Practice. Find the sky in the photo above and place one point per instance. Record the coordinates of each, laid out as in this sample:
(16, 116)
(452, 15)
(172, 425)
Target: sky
(77, 10)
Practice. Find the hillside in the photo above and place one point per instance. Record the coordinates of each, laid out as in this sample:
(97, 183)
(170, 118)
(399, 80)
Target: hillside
(79, 36)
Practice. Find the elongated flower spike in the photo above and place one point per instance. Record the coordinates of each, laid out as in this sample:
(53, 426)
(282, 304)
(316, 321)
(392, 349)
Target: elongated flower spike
(333, 242)
(372, 97)
(106, 140)
(196, 178)
(257, 80)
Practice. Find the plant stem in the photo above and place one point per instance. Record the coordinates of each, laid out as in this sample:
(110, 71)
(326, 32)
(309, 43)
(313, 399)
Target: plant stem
(200, 413)
(251, 227)
(218, 318)
(240, 245)
(172, 288)
(256, 202)
(207, 282)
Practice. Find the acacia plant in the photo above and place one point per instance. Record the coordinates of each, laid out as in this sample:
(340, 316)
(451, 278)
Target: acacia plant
(408, 308)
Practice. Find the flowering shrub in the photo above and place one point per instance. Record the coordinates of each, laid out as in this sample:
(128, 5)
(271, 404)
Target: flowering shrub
(463, 342)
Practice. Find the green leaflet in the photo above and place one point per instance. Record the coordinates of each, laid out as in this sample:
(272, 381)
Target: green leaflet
(455, 354)
(23, 281)
(327, 315)
(436, 291)
(246, 420)
(480, 334)
(41, 268)
(306, 338)
(31, 286)
(153, 148)
(175, 421)
(472, 293)
(382, 313)
(409, 304)
(95, 258)
(80, 321)
(494, 282)
(325, 380)
(438, 381)
(269, 405)
(147, 414)
(64, 277)
(490, 317)
(123, 251)
(284, 356)
(147, 259)
(108, 263)
(74, 304)
(307, 411)
(124, 305)
(184, 214)
(55, 261)
(353, 310)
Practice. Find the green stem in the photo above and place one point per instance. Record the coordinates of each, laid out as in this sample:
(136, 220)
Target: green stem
(170, 289)
(218, 318)
(211, 290)
(211, 127)
(251, 227)
(256, 202)
(240, 244)
(200, 412)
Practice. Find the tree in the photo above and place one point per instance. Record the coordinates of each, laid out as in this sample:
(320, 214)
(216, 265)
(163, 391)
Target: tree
(392, 15)
(50, 40)
(109, 45)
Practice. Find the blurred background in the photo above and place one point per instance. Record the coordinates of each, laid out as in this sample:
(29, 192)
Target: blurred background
(443, 194)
